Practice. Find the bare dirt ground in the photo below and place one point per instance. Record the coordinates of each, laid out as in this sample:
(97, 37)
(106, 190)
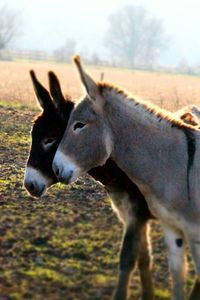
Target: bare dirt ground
(65, 245)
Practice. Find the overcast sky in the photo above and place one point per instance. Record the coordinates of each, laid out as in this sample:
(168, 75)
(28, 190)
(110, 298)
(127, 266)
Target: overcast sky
(48, 23)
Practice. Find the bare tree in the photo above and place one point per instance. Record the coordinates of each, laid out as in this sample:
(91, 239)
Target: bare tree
(66, 51)
(134, 36)
(9, 26)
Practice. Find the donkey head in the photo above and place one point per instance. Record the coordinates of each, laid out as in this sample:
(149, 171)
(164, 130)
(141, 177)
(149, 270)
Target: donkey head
(86, 125)
(46, 133)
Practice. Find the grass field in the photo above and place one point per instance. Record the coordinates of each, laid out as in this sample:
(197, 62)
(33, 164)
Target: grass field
(65, 245)
(167, 90)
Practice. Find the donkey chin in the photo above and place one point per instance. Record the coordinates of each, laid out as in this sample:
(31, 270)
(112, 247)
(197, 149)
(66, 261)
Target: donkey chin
(35, 182)
(65, 169)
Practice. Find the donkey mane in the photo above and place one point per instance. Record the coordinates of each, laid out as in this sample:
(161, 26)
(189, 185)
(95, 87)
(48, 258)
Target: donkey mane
(145, 106)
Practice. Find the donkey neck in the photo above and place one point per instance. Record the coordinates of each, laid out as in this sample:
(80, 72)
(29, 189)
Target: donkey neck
(149, 146)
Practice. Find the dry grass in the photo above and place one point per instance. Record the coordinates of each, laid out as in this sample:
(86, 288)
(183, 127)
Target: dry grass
(167, 90)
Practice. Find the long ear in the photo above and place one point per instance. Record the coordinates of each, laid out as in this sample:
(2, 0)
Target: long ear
(55, 91)
(42, 94)
(89, 84)
(63, 105)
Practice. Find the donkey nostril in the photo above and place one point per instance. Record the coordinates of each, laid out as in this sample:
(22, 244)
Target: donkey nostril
(70, 175)
(56, 171)
(31, 187)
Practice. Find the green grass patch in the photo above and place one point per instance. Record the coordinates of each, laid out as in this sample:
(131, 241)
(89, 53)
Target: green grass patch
(13, 105)
(162, 294)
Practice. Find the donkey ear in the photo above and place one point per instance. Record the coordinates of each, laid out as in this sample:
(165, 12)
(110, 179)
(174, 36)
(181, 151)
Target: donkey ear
(55, 91)
(89, 84)
(42, 94)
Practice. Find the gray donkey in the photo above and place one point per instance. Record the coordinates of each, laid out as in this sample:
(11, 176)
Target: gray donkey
(127, 201)
(157, 151)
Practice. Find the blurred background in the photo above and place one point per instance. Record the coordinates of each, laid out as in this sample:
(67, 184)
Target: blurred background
(139, 45)
(131, 33)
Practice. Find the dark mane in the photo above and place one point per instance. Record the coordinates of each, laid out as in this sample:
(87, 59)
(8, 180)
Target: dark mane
(160, 114)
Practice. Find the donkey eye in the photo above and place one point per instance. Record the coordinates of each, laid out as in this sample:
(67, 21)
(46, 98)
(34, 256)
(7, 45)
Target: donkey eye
(49, 141)
(78, 125)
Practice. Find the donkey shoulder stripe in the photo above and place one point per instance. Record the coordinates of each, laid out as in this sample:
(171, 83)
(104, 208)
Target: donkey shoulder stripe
(191, 148)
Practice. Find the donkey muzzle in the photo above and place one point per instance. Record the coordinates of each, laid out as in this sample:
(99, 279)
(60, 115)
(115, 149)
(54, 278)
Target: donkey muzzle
(34, 189)
(65, 170)
(34, 182)
(61, 176)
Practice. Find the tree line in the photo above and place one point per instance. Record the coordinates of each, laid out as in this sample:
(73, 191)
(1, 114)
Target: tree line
(133, 37)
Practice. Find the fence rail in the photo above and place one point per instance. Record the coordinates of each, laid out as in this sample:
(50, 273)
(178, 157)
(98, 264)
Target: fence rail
(25, 54)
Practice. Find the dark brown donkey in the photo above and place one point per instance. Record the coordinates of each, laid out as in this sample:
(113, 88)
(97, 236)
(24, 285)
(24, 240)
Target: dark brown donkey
(128, 202)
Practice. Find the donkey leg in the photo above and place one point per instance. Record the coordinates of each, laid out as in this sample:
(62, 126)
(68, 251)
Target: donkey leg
(177, 263)
(145, 266)
(128, 257)
(195, 248)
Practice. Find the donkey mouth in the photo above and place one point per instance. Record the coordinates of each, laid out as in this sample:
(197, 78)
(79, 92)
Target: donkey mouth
(40, 193)
(35, 191)
(66, 179)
